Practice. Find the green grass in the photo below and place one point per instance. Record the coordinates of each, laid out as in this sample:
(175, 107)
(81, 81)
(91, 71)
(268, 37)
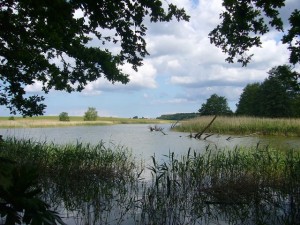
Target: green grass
(243, 126)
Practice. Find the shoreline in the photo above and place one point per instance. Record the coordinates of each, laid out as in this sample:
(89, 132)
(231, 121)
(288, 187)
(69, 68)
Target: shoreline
(53, 121)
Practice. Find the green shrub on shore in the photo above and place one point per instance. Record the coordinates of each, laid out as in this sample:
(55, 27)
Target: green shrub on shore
(64, 116)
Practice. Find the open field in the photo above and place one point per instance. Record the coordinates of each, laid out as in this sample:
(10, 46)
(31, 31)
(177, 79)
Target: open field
(53, 121)
(243, 126)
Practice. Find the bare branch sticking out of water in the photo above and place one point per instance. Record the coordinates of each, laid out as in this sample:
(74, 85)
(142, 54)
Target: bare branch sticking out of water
(156, 128)
(198, 135)
(174, 124)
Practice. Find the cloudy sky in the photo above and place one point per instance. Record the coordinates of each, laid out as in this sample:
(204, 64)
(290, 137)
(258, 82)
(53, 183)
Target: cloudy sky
(182, 71)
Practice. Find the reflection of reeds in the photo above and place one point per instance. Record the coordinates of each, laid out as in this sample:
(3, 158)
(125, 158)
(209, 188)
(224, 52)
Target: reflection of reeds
(243, 125)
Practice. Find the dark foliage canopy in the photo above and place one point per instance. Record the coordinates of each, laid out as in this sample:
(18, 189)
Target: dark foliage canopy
(277, 96)
(46, 41)
(248, 102)
(244, 22)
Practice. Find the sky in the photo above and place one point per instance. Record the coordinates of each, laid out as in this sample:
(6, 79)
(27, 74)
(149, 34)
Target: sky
(182, 71)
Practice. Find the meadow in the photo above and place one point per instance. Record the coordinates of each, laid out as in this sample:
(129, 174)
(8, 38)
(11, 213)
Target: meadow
(53, 121)
(243, 126)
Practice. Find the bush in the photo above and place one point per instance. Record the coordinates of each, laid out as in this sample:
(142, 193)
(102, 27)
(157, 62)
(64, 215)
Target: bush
(11, 118)
(64, 116)
(91, 114)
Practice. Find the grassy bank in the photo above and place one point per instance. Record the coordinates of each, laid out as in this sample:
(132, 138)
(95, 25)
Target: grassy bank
(243, 126)
(53, 121)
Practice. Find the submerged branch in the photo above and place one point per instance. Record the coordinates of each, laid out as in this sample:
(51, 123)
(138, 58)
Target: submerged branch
(198, 135)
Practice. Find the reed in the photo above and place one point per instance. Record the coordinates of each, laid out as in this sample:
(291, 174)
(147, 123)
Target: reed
(201, 187)
(71, 160)
(88, 180)
(257, 185)
(53, 121)
(243, 126)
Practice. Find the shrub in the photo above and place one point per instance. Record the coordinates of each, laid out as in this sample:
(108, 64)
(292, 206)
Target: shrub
(64, 116)
(11, 118)
(91, 114)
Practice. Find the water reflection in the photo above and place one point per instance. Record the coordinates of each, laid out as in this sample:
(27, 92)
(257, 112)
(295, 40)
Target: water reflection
(142, 142)
(166, 198)
(177, 196)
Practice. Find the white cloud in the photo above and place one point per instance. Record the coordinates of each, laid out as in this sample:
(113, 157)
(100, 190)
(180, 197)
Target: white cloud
(34, 88)
(182, 51)
(143, 78)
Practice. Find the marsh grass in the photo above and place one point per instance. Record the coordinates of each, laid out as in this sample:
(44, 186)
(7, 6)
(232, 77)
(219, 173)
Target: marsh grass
(88, 180)
(70, 159)
(243, 126)
(240, 186)
(53, 121)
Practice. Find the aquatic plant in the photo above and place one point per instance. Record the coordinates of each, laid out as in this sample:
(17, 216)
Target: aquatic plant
(243, 126)
(75, 174)
(100, 185)
(240, 186)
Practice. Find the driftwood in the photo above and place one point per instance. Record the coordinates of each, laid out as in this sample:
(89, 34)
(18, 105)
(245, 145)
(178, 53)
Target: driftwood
(198, 135)
(156, 128)
(174, 124)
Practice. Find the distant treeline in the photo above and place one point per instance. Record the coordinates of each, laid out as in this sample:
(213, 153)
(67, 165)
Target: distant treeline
(178, 116)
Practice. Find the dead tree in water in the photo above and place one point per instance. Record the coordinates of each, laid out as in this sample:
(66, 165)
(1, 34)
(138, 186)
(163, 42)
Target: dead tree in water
(156, 128)
(174, 124)
(198, 135)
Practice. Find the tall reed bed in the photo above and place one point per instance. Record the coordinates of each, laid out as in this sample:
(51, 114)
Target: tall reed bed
(88, 180)
(72, 159)
(242, 186)
(243, 126)
(53, 121)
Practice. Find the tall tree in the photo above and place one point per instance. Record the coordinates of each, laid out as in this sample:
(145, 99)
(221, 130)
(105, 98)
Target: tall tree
(283, 89)
(274, 100)
(215, 105)
(243, 24)
(277, 96)
(249, 101)
(47, 41)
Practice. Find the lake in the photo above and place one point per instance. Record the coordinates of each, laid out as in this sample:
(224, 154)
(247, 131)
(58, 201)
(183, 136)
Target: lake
(122, 208)
(142, 142)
